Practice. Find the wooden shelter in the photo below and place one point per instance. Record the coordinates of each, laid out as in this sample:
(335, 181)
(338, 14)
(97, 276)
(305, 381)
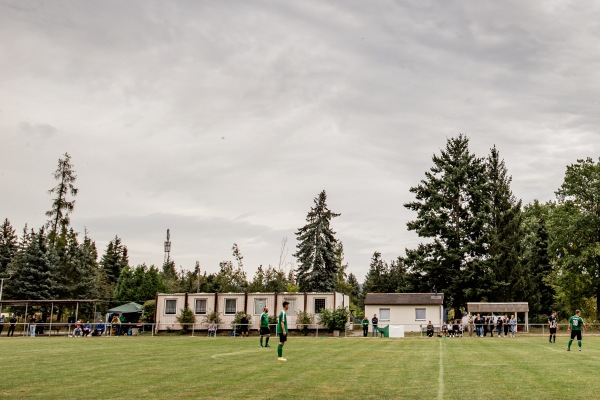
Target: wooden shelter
(501, 308)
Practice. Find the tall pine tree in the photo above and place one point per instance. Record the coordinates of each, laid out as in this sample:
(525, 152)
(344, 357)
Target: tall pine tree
(62, 205)
(317, 249)
(452, 206)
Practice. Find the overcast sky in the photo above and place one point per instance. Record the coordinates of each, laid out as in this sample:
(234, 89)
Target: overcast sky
(223, 120)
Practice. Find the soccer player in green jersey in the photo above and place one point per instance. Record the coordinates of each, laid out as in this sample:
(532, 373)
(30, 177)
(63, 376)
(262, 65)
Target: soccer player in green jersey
(264, 327)
(575, 326)
(282, 330)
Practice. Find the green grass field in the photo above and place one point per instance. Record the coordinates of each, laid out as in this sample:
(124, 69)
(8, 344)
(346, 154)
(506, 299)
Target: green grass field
(178, 367)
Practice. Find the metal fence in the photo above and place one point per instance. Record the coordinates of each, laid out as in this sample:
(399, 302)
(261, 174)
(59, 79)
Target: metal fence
(234, 330)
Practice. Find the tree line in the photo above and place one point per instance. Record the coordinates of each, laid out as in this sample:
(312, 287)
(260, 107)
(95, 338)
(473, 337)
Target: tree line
(479, 243)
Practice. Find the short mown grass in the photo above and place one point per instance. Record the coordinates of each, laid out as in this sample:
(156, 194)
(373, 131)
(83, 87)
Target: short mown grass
(184, 367)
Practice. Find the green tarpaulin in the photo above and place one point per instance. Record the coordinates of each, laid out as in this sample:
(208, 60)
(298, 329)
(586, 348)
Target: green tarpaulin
(126, 308)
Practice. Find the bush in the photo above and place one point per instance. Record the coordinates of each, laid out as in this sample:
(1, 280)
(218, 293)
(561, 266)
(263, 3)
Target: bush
(238, 319)
(186, 318)
(335, 320)
(213, 316)
(149, 311)
(303, 319)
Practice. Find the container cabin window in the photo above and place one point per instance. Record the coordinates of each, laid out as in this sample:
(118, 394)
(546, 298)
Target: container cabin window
(200, 306)
(170, 307)
(230, 306)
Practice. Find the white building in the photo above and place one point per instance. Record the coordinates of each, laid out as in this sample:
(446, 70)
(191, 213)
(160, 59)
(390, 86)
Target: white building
(412, 310)
(169, 306)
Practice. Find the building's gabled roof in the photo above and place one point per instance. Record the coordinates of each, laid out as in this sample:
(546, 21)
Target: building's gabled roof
(400, 299)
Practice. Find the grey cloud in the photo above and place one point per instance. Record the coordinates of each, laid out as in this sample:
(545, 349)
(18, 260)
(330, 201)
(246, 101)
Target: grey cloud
(223, 120)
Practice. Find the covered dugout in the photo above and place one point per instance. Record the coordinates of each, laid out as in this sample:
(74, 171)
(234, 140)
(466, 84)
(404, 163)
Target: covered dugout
(501, 308)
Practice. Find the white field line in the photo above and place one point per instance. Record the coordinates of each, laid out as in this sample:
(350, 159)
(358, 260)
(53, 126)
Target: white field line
(235, 353)
(441, 374)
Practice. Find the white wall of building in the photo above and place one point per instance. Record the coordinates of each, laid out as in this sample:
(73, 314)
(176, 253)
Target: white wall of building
(406, 315)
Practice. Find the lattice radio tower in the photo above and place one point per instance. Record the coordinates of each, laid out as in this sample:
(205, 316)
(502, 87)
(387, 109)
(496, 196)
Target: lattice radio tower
(167, 248)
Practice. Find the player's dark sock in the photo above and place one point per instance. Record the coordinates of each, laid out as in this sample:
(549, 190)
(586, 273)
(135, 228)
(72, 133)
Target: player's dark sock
(261, 341)
(569, 345)
(550, 338)
(579, 344)
(279, 350)
(554, 338)
(267, 342)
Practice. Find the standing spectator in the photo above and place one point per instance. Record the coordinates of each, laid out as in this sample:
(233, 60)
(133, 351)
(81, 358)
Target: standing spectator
(116, 323)
(491, 322)
(264, 327)
(32, 326)
(470, 325)
(486, 323)
(2, 321)
(552, 325)
(282, 330)
(12, 324)
(365, 326)
(513, 325)
(375, 322)
(499, 323)
(244, 325)
(575, 326)
(506, 326)
(478, 323)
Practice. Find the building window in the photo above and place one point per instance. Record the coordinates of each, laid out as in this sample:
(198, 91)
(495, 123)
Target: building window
(230, 306)
(259, 305)
(292, 307)
(200, 306)
(420, 314)
(319, 305)
(170, 306)
(384, 314)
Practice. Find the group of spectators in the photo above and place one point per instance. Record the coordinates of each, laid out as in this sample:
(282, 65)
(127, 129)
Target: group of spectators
(500, 324)
(83, 330)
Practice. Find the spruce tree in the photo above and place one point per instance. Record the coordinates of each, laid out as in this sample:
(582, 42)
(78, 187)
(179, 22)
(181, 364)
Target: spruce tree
(8, 246)
(114, 259)
(452, 206)
(33, 271)
(504, 232)
(317, 249)
(377, 278)
(62, 206)
(531, 281)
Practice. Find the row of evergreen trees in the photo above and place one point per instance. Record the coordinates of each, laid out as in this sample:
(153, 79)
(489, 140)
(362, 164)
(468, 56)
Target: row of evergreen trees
(479, 244)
